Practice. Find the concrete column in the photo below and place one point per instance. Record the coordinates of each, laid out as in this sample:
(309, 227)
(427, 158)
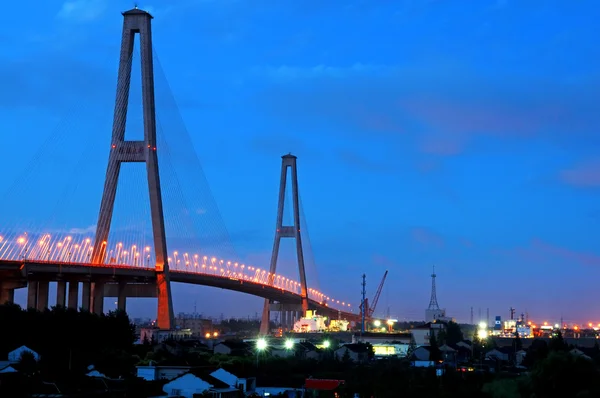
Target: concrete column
(86, 292)
(7, 295)
(42, 298)
(122, 297)
(284, 319)
(61, 293)
(73, 294)
(98, 298)
(32, 294)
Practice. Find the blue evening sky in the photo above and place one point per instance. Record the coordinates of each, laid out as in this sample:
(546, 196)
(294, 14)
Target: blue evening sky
(454, 133)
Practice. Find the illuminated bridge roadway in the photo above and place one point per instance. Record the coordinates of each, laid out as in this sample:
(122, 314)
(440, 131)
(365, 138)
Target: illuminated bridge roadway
(141, 282)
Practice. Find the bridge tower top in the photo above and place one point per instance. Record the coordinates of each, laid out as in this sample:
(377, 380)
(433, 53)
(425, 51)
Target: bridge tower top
(136, 11)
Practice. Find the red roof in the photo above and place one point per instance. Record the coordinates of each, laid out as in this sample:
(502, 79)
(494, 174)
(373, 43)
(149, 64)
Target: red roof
(323, 384)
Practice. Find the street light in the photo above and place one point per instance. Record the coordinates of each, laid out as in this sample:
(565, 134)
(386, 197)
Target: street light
(326, 344)
(482, 333)
(289, 344)
(377, 323)
(261, 345)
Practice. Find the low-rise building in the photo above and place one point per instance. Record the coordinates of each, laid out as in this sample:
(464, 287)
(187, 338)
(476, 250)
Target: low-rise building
(152, 373)
(199, 327)
(420, 354)
(498, 354)
(244, 384)
(390, 350)
(381, 338)
(195, 383)
(355, 352)
(15, 355)
(302, 349)
(160, 335)
(230, 347)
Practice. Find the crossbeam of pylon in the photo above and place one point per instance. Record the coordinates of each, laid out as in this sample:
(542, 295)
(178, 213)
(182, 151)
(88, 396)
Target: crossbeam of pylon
(287, 231)
(136, 21)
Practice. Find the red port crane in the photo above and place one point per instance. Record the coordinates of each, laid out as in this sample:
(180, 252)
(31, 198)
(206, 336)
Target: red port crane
(371, 309)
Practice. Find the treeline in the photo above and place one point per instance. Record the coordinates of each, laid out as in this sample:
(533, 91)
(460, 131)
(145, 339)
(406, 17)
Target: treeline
(69, 341)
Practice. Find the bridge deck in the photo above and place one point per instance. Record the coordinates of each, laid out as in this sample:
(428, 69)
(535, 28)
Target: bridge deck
(55, 271)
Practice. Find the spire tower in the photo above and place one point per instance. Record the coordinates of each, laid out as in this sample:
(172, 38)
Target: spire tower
(434, 312)
(433, 304)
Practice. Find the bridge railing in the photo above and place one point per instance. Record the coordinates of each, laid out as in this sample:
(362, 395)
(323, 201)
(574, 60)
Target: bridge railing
(77, 250)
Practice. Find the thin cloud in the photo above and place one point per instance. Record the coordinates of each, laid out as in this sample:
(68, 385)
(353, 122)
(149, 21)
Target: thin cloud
(542, 252)
(584, 175)
(359, 161)
(82, 231)
(82, 10)
(289, 73)
(442, 107)
(427, 237)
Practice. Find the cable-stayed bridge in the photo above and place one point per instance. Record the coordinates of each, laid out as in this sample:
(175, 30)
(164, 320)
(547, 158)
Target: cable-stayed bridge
(89, 264)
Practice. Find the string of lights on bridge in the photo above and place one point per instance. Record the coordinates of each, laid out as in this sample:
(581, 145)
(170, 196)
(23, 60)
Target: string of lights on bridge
(69, 250)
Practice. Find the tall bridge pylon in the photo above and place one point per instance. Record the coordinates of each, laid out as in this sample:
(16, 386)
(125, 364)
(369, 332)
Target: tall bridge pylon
(137, 21)
(287, 231)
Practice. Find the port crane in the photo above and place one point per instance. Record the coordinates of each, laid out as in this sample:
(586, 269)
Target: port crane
(370, 309)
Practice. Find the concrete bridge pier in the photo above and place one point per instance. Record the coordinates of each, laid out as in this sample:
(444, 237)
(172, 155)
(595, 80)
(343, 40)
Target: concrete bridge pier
(7, 291)
(42, 295)
(37, 295)
(61, 293)
(122, 297)
(73, 294)
(97, 304)
(32, 294)
(289, 313)
(86, 291)
(7, 295)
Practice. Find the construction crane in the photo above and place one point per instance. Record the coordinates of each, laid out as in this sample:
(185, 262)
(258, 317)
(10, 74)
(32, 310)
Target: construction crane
(369, 310)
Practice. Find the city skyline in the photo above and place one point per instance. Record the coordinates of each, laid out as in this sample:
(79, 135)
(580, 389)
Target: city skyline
(464, 148)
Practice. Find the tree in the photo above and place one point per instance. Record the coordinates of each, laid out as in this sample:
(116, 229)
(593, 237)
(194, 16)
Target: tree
(27, 363)
(71, 340)
(412, 346)
(557, 343)
(565, 375)
(537, 352)
(517, 343)
(434, 350)
(454, 333)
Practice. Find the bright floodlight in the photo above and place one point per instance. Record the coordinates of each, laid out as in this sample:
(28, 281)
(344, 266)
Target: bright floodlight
(482, 325)
(289, 344)
(482, 334)
(326, 344)
(261, 344)
(390, 322)
(377, 323)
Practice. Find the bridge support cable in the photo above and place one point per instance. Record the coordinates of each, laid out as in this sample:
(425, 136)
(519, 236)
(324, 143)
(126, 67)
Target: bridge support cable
(312, 275)
(201, 206)
(30, 203)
